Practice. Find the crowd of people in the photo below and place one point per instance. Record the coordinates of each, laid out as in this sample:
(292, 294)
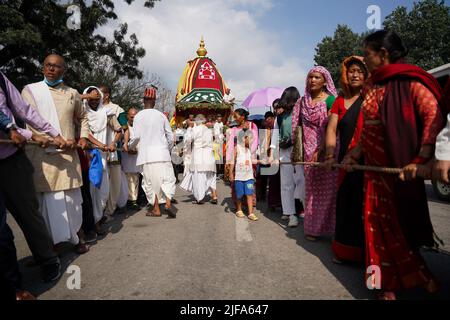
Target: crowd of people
(94, 160)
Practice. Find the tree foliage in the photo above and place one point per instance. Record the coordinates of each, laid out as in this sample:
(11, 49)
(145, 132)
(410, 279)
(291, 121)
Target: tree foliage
(124, 91)
(31, 29)
(332, 50)
(425, 30)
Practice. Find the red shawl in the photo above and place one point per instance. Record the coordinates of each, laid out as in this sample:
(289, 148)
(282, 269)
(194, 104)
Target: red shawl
(403, 133)
(399, 118)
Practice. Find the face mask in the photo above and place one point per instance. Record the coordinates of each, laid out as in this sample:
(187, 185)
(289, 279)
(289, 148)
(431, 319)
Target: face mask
(53, 83)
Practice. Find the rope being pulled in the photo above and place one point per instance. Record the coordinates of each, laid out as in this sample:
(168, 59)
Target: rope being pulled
(342, 166)
(51, 144)
(314, 164)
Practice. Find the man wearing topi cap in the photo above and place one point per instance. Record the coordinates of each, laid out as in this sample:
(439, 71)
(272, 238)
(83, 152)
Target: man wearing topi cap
(153, 133)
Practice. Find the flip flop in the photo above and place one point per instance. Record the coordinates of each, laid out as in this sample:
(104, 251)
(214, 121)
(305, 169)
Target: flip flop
(240, 214)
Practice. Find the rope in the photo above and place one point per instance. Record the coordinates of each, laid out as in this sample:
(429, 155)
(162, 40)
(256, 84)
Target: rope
(342, 166)
(34, 143)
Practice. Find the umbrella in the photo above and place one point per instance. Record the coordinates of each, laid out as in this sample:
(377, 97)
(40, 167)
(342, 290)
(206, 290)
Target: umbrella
(256, 117)
(262, 99)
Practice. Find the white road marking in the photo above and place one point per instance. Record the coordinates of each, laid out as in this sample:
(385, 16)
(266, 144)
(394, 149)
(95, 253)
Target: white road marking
(243, 230)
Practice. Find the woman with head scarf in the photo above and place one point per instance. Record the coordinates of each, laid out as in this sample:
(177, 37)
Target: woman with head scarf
(320, 184)
(101, 124)
(402, 119)
(345, 125)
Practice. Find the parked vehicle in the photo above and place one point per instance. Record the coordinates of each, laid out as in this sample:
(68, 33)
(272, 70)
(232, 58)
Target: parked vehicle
(442, 74)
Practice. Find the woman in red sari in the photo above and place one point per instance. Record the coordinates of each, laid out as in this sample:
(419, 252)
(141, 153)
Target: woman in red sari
(401, 118)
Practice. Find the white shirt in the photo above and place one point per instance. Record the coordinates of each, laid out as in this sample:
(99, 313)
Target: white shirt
(443, 143)
(116, 110)
(129, 160)
(203, 159)
(244, 167)
(228, 98)
(154, 135)
(218, 132)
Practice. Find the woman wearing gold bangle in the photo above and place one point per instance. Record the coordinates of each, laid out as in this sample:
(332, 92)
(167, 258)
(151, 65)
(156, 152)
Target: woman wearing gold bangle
(402, 118)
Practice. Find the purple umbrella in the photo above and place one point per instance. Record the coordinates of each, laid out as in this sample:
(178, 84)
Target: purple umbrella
(262, 98)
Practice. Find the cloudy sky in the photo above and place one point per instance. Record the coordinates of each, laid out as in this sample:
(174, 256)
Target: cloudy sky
(255, 43)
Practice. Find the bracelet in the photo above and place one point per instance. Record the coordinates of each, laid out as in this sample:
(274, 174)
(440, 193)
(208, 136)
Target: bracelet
(420, 160)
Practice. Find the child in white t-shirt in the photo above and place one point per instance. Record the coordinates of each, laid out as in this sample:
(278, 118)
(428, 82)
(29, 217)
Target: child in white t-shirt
(242, 174)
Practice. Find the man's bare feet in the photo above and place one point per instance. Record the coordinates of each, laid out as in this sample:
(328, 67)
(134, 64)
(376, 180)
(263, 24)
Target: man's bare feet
(156, 212)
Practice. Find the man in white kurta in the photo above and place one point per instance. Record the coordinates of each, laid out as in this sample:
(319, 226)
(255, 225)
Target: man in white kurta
(57, 173)
(114, 167)
(442, 166)
(129, 163)
(153, 133)
(187, 147)
(201, 179)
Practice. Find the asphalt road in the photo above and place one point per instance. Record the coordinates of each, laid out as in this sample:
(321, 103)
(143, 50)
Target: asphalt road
(207, 253)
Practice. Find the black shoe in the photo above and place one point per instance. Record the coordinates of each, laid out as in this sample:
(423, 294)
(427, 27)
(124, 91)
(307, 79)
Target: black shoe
(134, 206)
(170, 213)
(120, 211)
(91, 237)
(51, 272)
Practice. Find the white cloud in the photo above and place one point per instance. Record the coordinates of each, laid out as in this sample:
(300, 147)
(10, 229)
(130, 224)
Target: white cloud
(247, 56)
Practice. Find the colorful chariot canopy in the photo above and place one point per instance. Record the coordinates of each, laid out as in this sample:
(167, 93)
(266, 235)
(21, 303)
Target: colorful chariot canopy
(201, 80)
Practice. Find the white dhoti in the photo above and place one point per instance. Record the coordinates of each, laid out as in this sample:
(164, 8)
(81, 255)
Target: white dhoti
(63, 214)
(100, 197)
(292, 180)
(123, 196)
(199, 183)
(133, 186)
(158, 181)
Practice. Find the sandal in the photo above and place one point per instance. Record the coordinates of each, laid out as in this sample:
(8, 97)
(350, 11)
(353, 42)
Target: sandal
(240, 214)
(253, 217)
(214, 201)
(311, 238)
(337, 261)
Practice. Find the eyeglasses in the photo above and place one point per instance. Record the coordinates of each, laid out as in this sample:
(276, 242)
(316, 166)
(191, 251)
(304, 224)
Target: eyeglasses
(54, 66)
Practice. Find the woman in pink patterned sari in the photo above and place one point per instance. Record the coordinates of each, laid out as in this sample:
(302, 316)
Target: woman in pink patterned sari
(320, 185)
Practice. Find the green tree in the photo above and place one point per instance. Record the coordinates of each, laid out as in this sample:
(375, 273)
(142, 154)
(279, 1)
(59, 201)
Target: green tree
(124, 91)
(331, 51)
(31, 29)
(425, 31)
